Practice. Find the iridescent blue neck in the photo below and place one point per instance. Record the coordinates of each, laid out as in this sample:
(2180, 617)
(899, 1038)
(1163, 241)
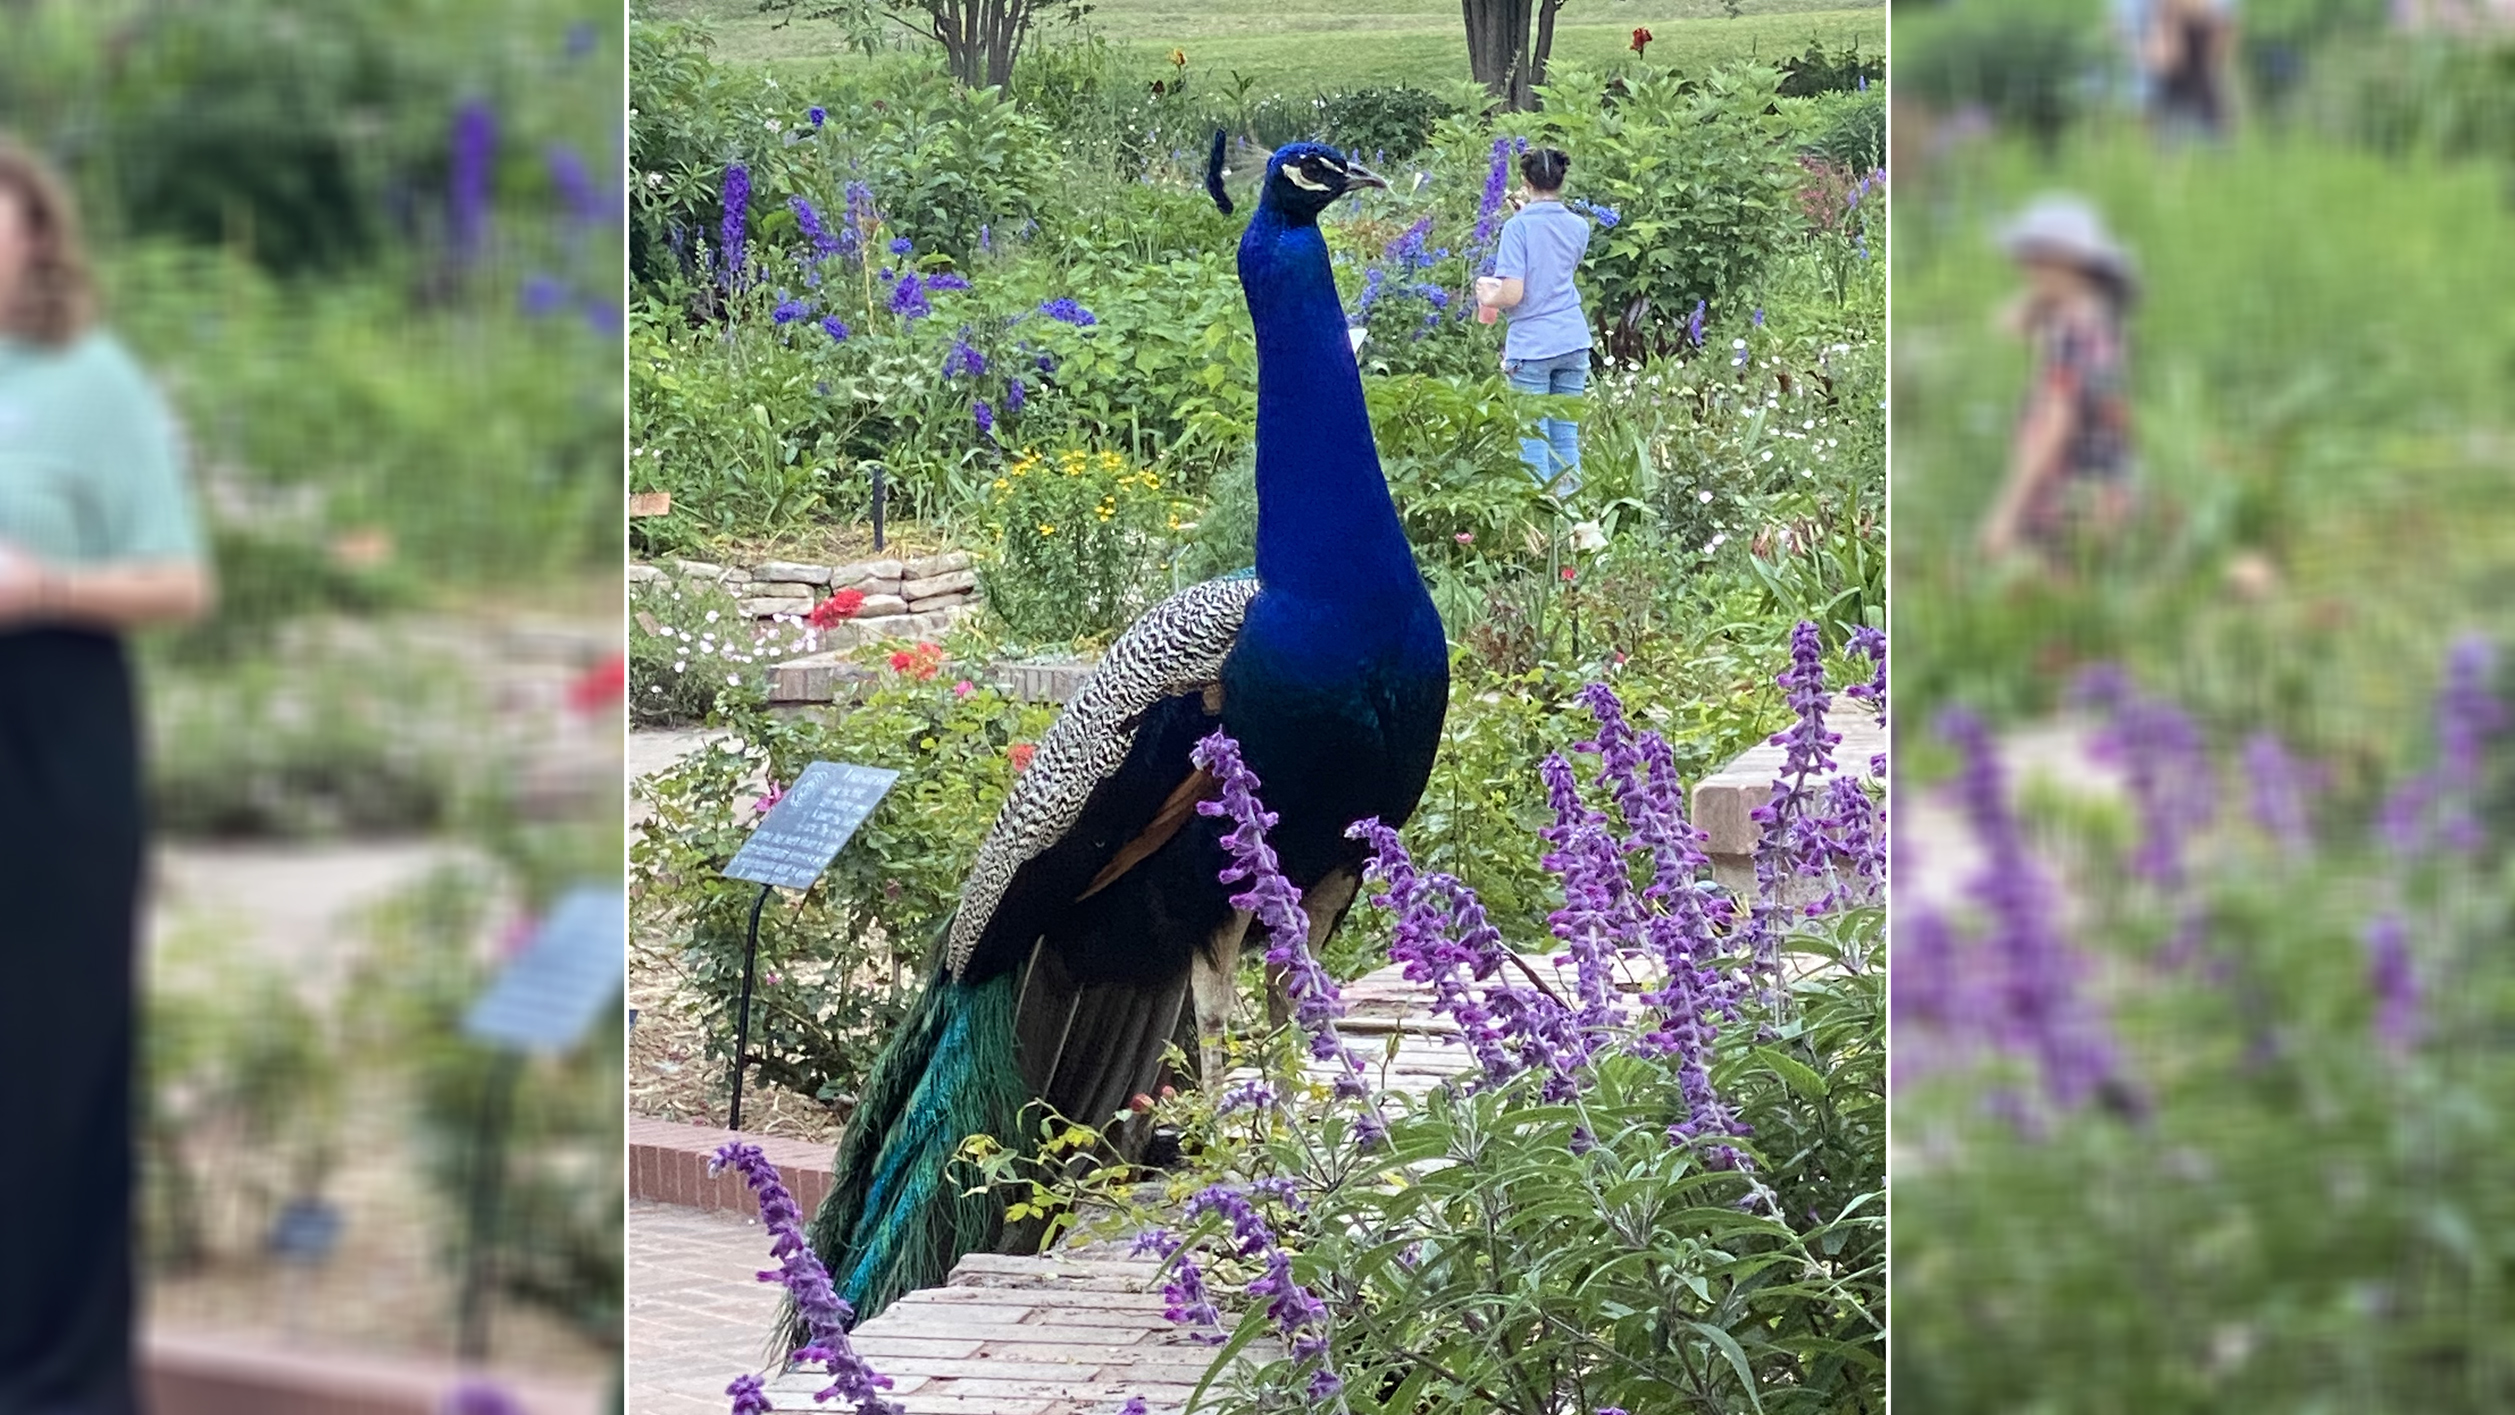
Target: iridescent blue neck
(1326, 525)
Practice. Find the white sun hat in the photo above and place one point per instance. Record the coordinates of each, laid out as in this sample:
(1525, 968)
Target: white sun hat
(2068, 229)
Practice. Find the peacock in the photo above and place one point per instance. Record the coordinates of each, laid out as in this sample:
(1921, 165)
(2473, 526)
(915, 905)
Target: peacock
(1092, 927)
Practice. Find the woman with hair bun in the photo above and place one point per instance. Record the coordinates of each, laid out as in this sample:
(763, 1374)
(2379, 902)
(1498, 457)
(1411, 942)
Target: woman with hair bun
(1546, 348)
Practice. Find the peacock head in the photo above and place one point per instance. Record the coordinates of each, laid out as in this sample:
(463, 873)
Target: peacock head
(1303, 177)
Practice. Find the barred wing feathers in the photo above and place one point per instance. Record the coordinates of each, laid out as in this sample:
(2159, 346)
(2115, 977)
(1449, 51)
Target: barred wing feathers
(1177, 647)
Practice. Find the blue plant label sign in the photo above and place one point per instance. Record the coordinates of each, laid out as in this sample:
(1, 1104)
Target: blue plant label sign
(556, 987)
(808, 826)
(306, 1231)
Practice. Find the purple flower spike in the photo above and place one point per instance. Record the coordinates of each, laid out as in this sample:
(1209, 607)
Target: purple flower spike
(1273, 900)
(825, 1314)
(730, 235)
(2281, 795)
(2033, 995)
(2394, 979)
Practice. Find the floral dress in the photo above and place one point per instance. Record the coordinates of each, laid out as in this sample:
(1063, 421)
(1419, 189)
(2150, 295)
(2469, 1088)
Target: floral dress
(2081, 363)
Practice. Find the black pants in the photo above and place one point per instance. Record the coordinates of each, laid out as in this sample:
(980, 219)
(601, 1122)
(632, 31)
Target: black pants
(70, 869)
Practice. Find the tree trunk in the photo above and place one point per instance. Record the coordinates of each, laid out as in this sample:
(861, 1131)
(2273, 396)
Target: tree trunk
(1545, 42)
(1497, 49)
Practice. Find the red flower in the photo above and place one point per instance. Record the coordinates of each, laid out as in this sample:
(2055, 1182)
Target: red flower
(1020, 754)
(1641, 38)
(1142, 1104)
(838, 607)
(921, 663)
(598, 685)
(1567, 574)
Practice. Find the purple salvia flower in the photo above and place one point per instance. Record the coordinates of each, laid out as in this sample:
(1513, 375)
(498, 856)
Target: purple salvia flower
(1016, 393)
(984, 416)
(1134, 1406)
(824, 1313)
(1300, 1318)
(1489, 207)
(478, 1397)
(1932, 1011)
(1248, 1095)
(475, 146)
(1597, 922)
(947, 280)
(835, 328)
(749, 1396)
(1190, 1305)
(816, 115)
(860, 219)
(2281, 793)
(901, 245)
(789, 310)
(1064, 310)
(1872, 642)
(1694, 325)
(1273, 901)
(1443, 937)
(2165, 767)
(2033, 994)
(2468, 714)
(2394, 979)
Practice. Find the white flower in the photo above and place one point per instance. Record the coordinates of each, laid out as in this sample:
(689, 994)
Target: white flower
(771, 125)
(711, 616)
(1766, 457)
(1589, 535)
(1703, 496)
(655, 181)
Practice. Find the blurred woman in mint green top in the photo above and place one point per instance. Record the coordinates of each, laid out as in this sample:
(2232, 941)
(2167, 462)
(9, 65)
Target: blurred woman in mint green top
(97, 537)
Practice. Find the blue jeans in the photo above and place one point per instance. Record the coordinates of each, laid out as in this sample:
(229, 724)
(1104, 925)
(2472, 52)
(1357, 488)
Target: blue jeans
(1555, 461)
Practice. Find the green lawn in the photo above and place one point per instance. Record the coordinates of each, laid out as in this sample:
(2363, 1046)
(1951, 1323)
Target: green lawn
(1306, 44)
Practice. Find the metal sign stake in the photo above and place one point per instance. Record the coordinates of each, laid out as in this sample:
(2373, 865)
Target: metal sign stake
(742, 1019)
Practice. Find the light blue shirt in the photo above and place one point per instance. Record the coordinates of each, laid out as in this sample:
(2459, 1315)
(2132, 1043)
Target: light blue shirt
(1541, 248)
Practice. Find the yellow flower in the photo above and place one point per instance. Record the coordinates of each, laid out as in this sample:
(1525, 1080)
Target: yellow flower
(1002, 485)
(1046, 529)
(1178, 58)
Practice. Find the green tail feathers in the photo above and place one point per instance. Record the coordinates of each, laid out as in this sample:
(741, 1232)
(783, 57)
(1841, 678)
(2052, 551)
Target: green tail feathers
(896, 1218)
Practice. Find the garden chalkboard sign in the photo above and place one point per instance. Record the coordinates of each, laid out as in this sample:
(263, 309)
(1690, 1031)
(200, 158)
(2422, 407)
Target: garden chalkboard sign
(789, 848)
(550, 994)
(799, 836)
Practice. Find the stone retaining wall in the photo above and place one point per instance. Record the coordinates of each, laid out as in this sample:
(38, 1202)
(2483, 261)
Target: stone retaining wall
(903, 599)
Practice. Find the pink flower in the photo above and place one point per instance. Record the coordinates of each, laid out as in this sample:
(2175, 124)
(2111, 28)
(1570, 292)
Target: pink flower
(964, 688)
(1465, 537)
(1020, 754)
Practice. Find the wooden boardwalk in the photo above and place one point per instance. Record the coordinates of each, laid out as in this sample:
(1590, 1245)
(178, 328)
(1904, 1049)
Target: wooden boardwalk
(1063, 1334)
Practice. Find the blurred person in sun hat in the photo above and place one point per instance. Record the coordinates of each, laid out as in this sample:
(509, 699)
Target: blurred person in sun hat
(97, 537)
(2070, 458)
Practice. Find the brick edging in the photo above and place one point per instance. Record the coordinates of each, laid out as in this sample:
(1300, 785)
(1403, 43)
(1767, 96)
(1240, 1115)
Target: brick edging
(203, 1373)
(668, 1165)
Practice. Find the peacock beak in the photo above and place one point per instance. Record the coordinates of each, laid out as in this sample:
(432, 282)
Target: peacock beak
(1357, 175)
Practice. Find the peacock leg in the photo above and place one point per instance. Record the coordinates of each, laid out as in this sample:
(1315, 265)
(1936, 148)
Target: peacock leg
(1213, 981)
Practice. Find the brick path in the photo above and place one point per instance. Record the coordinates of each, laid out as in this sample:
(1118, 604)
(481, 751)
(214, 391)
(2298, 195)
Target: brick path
(697, 1317)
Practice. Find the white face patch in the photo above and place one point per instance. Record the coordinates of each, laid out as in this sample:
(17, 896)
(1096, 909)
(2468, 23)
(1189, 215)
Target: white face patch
(1301, 179)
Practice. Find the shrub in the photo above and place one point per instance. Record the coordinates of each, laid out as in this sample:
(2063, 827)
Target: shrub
(833, 965)
(689, 645)
(1080, 544)
(2025, 65)
(1699, 171)
(1814, 71)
